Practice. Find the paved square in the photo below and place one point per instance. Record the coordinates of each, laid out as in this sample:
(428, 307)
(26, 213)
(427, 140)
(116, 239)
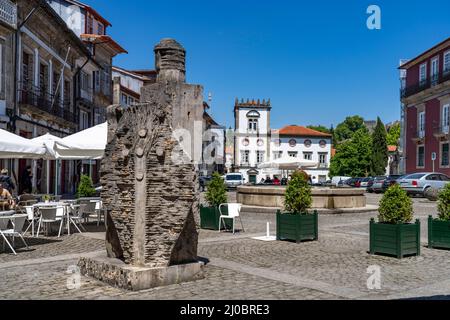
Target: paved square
(335, 267)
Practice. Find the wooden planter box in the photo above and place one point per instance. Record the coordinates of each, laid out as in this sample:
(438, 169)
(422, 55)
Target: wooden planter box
(397, 240)
(438, 233)
(209, 218)
(297, 227)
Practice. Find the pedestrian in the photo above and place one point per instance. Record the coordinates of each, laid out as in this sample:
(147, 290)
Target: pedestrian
(6, 200)
(7, 181)
(26, 180)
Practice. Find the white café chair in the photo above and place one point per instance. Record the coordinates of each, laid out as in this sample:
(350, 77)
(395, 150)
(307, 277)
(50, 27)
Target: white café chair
(17, 221)
(76, 216)
(48, 216)
(234, 210)
(30, 212)
(100, 211)
(89, 210)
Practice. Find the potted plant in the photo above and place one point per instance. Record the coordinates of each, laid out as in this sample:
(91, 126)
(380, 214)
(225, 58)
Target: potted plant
(85, 188)
(297, 223)
(394, 234)
(46, 198)
(439, 229)
(216, 194)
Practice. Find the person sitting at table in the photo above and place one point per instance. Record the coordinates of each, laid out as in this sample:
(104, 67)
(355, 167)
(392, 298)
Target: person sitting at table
(6, 200)
(276, 181)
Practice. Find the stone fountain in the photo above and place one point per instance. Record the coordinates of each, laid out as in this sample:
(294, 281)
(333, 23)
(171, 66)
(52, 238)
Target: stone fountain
(150, 183)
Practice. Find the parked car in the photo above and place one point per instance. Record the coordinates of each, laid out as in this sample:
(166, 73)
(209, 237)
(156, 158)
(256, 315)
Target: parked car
(377, 185)
(370, 185)
(354, 182)
(339, 181)
(390, 181)
(233, 180)
(364, 182)
(419, 183)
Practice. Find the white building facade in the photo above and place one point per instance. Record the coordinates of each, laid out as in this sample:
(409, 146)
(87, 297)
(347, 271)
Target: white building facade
(255, 143)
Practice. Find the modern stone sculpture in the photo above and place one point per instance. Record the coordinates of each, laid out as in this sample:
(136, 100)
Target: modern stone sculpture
(150, 186)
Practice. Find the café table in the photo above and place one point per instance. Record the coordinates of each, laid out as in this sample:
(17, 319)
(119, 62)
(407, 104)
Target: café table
(65, 205)
(7, 213)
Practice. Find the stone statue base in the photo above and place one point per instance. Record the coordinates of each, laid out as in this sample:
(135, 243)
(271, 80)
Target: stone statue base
(118, 274)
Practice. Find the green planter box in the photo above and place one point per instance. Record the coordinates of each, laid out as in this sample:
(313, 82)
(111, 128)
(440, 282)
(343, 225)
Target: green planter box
(297, 227)
(438, 233)
(397, 240)
(209, 218)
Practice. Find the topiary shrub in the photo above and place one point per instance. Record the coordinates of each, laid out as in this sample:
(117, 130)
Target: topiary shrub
(298, 197)
(444, 203)
(216, 192)
(395, 206)
(85, 188)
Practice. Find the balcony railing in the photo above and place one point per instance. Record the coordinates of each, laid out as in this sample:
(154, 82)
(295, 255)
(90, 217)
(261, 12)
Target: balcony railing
(8, 13)
(425, 84)
(418, 135)
(441, 131)
(43, 101)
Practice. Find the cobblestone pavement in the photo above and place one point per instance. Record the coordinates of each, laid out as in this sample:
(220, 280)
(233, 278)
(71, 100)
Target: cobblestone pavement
(239, 267)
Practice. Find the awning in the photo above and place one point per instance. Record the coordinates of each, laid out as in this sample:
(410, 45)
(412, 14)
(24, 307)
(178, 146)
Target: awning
(13, 146)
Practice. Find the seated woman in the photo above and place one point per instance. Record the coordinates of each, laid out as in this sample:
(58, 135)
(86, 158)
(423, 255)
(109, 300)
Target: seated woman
(6, 200)
(276, 181)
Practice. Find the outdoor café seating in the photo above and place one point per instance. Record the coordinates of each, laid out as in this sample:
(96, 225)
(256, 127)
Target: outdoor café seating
(12, 227)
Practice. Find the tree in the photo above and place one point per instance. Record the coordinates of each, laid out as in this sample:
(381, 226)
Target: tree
(345, 130)
(320, 128)
(298, 198)
(393, 135)
(86, 188)
(216, 192)
(380, 154)
(353, 156)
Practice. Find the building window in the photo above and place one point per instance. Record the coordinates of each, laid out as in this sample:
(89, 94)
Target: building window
(323, 144)
(245, 157)
(277, 142)
(2, 69)
(259, 157)
(292, 143)
(277, 155)
(447, 61)
(84, 81)
(293, 154)
(90, 25)
(308, 143)
(100, 29)
(421, 124)
(423, 74)
(43, 79)
(445, 155)
(434, 69)
(323, 158)
(96, 81)
(307, 155)
(260, 142)
(245, 142)
(421, 156)
(84, 120)
(253, 125)
(124, 100)
(445, 118)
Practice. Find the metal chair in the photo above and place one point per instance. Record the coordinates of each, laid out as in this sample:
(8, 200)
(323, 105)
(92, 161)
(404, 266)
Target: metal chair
(48, 216)
(76, 216)
(17, 222)
(234, 210)
(30, 211)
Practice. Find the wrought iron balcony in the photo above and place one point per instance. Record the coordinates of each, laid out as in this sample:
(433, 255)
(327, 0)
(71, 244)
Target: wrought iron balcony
(442, 131)
(34, 97)
(425, 84)
(8, 13)
(419, 136)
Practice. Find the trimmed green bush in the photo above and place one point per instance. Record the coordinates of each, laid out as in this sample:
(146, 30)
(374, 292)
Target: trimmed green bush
(444, 203)
(395, 206)
(216, 192)
(298, 198)
(86, 187)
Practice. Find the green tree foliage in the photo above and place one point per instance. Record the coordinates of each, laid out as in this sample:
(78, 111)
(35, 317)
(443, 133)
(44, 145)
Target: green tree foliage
(380, 154)
(320, 128)
(444, 203)
(298, 198)
(395, 206)
(393, 135)
(345, 130)
(216, 192)
(86, 188)
(353, 156)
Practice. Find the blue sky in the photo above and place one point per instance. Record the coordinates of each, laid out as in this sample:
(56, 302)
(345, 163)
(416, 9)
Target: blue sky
(316, 60)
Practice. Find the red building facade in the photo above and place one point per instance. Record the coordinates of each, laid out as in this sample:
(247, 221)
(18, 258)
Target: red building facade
(426, 98)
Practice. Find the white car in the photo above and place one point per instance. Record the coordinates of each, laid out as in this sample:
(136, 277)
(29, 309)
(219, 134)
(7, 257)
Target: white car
(335, 181)
(233, 180)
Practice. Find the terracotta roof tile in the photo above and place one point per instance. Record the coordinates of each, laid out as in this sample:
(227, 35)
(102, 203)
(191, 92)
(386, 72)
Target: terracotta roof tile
(294, 130)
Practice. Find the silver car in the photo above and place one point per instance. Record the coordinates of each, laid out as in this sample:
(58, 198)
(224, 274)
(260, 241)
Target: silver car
(418, 183)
